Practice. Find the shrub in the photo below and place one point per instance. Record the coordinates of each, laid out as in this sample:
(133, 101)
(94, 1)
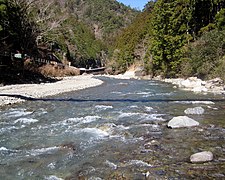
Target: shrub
(57, 71)
(205, 55)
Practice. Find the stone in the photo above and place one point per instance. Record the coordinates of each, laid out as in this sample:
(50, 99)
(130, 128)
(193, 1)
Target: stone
(182, 121)
(149, 145)
(196, 110)
(205, 156)
(199, 89)
(191, 82)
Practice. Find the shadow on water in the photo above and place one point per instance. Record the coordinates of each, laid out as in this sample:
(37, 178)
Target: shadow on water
(107, 100)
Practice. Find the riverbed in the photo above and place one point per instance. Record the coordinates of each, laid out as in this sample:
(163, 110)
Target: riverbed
(114, 131)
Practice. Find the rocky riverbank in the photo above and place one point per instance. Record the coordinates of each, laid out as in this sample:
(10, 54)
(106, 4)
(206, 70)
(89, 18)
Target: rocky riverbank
(12, 94)
(197, 85)
(194, 84)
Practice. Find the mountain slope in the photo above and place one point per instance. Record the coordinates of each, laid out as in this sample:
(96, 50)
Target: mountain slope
(82, 28)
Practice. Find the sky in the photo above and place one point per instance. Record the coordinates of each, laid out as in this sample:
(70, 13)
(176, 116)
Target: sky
(138, 4)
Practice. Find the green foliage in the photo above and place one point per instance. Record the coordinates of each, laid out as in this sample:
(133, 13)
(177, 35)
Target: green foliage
(129, 39)
(176, 23)
(205, 57)
(2, 14)
(170, 27)
(109, 15)
(18, 30)
(220, 19)
(82, 28)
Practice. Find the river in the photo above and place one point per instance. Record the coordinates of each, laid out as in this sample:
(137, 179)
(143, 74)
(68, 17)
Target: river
(114, 131)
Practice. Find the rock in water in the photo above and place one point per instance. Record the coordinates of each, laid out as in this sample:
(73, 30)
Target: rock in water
(205, 156)
(196, 110)
(182, 121)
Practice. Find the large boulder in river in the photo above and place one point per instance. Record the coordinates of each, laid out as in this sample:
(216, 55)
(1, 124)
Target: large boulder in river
(205, 156)
(182, 121)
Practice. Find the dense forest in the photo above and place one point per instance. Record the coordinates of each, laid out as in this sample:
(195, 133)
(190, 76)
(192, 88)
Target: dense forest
(178, 38)
(168, 38)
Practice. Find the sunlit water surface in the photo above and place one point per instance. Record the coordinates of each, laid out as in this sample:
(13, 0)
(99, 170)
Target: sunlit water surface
(114, 131)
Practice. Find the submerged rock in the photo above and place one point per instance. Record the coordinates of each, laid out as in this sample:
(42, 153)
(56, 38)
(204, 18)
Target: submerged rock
(196, 110)
(205, 156)
(182, 121)
(70, 146)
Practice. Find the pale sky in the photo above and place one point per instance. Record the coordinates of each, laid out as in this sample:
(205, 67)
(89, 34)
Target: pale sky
(138, 4)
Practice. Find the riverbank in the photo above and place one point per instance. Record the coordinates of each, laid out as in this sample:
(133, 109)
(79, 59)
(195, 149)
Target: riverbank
(193, 84)
(11, 94)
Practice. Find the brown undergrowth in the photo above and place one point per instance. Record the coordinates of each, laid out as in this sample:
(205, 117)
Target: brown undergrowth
(58, 71)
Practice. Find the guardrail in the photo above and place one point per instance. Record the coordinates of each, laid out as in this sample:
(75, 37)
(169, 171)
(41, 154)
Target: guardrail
(6, 59)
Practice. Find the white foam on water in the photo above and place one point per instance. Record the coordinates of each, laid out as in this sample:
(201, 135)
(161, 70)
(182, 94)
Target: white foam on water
(123, 115)
(17, 113)
(108, 127)
(164, 94)
(111, 164)
(83, 120)
(157, 117)
(149, 95)
(95, 178)
(194, 102)
(6, 129)
(143, 116)
(148, 108)
(158, 94)
(153, 126)
(53, 177)
(122, 127)
(26, 120)
(116, 92)
(103, 107)
(3, 149)
(202, 102)
(95, 132)
(51, 166)
(144, 93)
(42, 111)
(49, 150)
(134, 106)
(139, 163)
(210, 107)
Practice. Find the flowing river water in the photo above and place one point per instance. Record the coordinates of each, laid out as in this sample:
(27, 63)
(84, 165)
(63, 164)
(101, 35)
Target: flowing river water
(115, 131)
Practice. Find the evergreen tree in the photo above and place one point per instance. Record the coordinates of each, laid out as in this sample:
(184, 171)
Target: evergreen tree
(175, 23)
(170, 26)
(220, 19)
(18, 31)
(129, 39)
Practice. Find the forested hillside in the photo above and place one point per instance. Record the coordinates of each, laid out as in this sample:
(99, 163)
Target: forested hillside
(179, 38)
(168, 38)
(132, 44)
(82, 29)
